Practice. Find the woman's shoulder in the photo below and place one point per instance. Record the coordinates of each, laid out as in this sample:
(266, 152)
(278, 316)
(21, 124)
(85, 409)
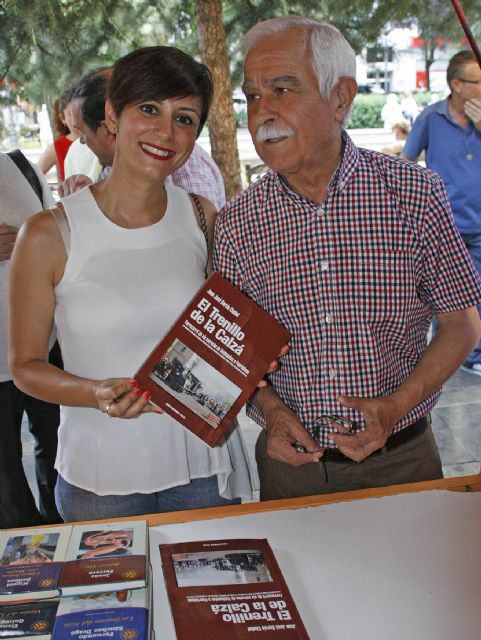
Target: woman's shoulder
(39, 248)
(40, 223)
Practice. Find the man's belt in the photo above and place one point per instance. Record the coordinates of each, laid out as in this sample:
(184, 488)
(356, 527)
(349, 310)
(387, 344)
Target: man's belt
(393, 442)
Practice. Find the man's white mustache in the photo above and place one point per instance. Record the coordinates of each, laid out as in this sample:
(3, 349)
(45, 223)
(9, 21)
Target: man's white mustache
(271, 132)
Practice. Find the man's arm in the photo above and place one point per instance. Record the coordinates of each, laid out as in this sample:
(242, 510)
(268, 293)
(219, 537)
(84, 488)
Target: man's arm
(417, 140)
(459, 332)
(285, 430)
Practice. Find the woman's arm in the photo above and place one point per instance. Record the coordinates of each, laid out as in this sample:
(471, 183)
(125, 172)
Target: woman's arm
(37, 266)
(47, 159)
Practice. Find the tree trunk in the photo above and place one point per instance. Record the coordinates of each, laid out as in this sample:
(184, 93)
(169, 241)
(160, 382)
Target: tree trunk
(222, 124)
(429, 49)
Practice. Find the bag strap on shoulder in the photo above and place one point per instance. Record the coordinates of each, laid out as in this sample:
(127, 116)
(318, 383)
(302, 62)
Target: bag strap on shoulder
(28, 171)
(58, 213)
(202, 222)
(200, 215)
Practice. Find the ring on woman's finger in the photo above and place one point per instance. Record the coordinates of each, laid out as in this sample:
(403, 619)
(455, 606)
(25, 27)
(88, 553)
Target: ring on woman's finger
(107, 410)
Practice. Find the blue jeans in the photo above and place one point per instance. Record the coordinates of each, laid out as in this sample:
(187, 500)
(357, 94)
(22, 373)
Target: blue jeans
(78, 504)
(473, 245)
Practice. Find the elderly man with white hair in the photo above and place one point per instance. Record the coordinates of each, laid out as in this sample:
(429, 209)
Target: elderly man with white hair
(354, 252)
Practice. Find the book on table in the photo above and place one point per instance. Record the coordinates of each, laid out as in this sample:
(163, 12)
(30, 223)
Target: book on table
(209, 363)
(109, 615)
(230, 589)
(114, 615)
(28, 620)
(31, 561)
(109, 556)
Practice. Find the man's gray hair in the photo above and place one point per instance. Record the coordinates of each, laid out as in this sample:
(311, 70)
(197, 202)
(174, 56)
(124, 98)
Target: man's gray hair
(332, 55)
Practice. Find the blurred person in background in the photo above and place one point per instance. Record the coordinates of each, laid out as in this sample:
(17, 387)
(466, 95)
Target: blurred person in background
(449, 131)
(18, 201)
(391, 111)
(400, 130)
(409, 107)
(64, 134)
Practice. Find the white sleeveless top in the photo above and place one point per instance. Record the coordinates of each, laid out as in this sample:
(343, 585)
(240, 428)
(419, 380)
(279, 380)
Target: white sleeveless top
(121, 291)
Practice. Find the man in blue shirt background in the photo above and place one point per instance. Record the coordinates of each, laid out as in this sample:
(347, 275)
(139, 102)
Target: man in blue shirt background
(449, 132)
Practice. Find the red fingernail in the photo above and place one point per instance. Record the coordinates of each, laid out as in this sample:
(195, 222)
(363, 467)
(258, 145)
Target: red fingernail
(147, 394)
(139, 392)
(134, 383)
(157, 410)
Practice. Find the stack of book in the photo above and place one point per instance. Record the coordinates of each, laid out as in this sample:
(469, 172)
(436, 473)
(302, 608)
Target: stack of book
(75, 582)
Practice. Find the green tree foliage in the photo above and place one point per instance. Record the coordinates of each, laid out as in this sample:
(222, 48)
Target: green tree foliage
(361, 21)
(366, 112)
(48, 44)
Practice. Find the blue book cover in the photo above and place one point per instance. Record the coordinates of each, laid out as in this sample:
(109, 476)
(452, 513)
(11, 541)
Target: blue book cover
(113, 615)
(28, 621)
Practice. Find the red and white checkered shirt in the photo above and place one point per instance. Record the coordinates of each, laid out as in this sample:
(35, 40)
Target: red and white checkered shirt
(356, 279)
(199, 175)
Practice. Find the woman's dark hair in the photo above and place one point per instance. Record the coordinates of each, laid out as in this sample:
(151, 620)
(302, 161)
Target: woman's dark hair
(160, 73)
(58, 108)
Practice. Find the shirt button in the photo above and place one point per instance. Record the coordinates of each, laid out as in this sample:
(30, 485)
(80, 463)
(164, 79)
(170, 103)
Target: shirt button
(332, 373)
(329, 318)
(324, 265)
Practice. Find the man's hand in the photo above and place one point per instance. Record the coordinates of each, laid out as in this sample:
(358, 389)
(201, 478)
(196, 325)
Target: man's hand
(472, 108)
(8, 235)
(72, 184)
(380, 414)
(284, 432)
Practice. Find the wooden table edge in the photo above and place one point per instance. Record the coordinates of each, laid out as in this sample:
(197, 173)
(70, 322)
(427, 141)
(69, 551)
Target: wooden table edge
(460, 483)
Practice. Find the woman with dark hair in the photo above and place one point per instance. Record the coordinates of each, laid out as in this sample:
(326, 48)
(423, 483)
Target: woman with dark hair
(113, 271)
(65, 133)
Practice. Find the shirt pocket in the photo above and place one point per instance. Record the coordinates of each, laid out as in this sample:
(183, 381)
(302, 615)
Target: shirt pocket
(380, 284)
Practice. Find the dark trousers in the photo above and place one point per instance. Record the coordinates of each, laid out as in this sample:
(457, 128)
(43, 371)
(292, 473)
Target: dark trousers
(17, 504)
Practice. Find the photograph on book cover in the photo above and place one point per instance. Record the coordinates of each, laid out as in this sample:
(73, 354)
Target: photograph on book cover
(30, 549)
(105, 544)
(209, 568)
(195, 383)
(104, 600)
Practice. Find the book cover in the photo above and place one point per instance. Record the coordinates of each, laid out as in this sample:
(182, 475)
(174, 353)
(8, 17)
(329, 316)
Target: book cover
(110, 556)
(28, 621)
(211, 360)
(31, 561)
(229, 589)
(113, 615)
